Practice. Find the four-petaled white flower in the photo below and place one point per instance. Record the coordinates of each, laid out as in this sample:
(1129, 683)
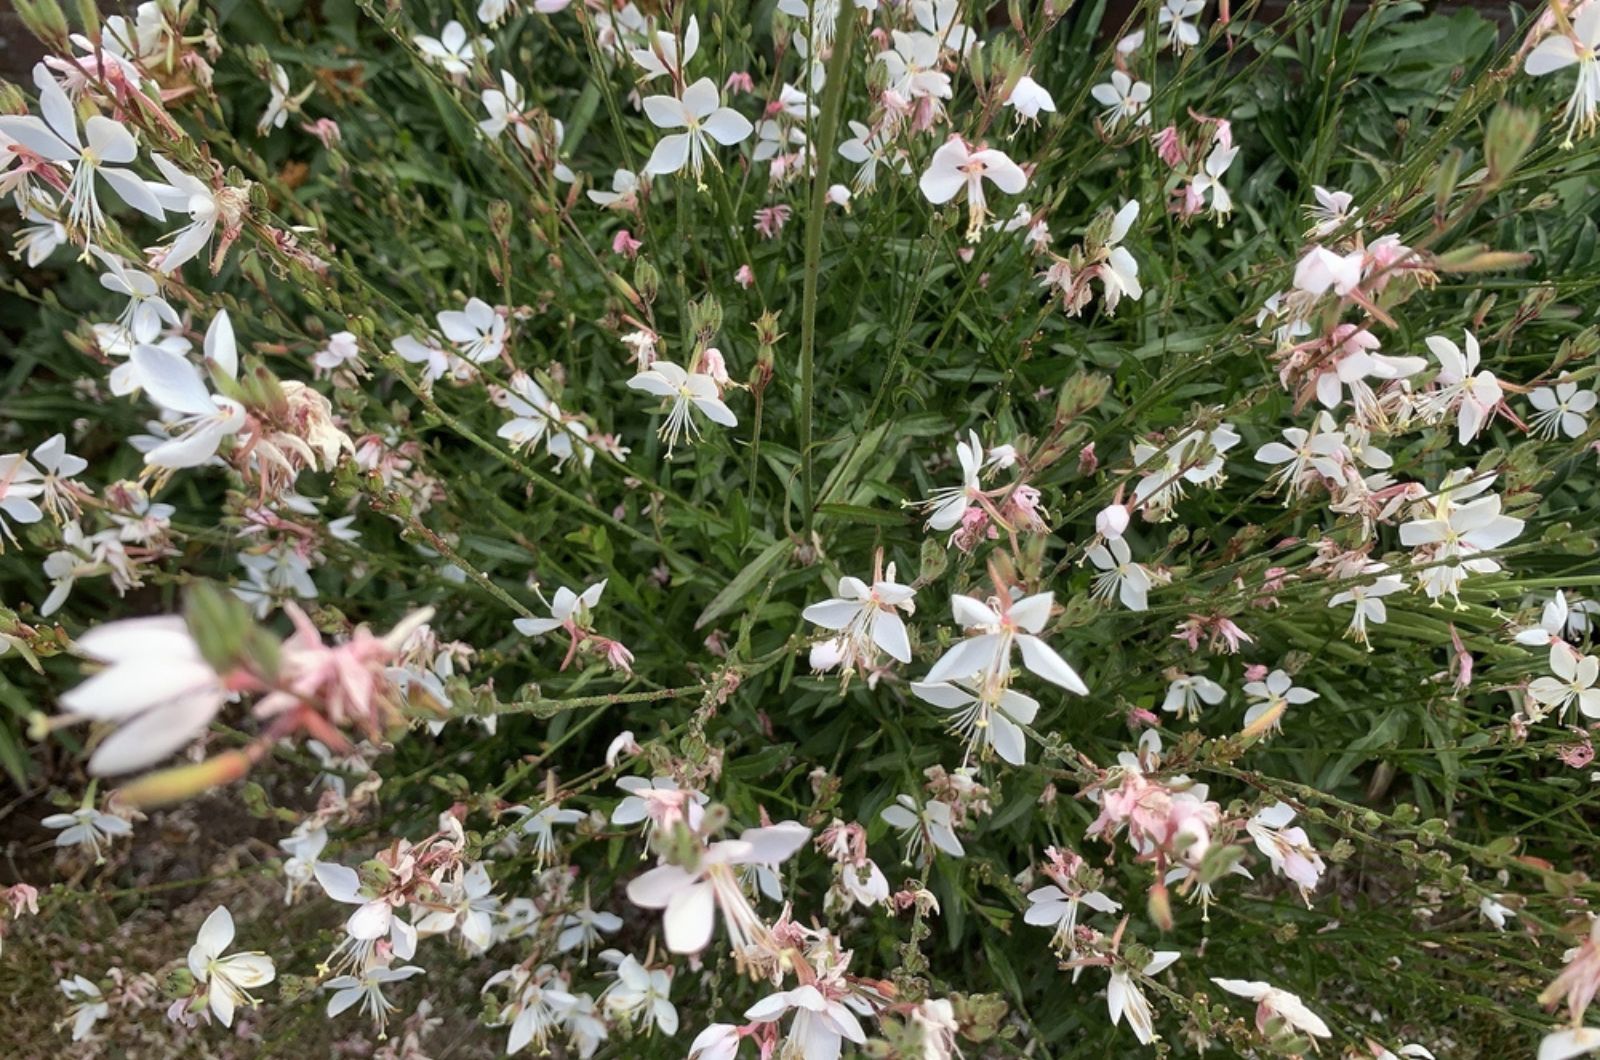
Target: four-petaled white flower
(1029, 98)
(104, 148)
(641, 994)
(1574, 682)
(367, 988)
(89, 1005)
(687, 390)
(702, 116)
(1120, 576)
(1473, 394)
(867, 616)
(821, 1024)
(1125, 1000)
(20, 482)
(1185, 693)
(478, 331)
(956, 166)
(987, 716)
(1270, 699)
(155, 684)
(1561, 409)
(1008, 623)
(663, 55)
(1124, 99)
(229, 979)
(1559, 51)
(1368, 599)
(173, 382)
(931, 822)
(691, 898)
(1276, 1010)
(87, 827)
(451, 49)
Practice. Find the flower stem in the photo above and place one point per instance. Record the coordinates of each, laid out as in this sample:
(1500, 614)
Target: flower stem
(832, 104)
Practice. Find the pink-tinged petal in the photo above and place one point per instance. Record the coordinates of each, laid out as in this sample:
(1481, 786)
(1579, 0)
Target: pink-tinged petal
(689, 919)
(889, 633)
(655, 888)
(1043, 660)
(155, 734)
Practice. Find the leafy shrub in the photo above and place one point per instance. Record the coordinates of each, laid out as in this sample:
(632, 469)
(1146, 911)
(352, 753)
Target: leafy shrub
(893, 527)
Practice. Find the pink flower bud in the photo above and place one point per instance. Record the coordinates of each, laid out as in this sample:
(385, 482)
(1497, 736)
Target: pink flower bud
(623, 243)
(745, 277)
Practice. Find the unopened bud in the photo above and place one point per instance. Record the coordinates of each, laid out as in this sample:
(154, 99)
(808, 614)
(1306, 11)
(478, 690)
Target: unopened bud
(168, 786)
(1112, 521)
(1507, 140)
(45, 20)
(1159, 906)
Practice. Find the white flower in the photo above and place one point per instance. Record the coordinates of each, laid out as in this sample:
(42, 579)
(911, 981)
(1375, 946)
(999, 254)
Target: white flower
(277, 112)
(146, 310)
(1120, 576)
(174, 383)
(1331, 213)
(1288, 849)
(426, 352)
(956, 167)
(1568, 1043)
(869, 149)
(505, 107)
(720, 1041)
(1462, 387)
(1557, 52)
(1209, 180)
(1196, 458)
(451, 50)
(39, 239)
(155, 683)
(567, 607)
(640, 994)
(1124, 999)
(20, 482)
(1368, 600)
(89, 1008)
(688, 390)
(87, 827)
(658, 801)
(1321, 269)
(989, 716)
(1186, 693)
(538, 1005)
(1120, 270)
(1050, 906)
(1029, 98)
(228, 979)
(702, 116)
(937, 18)
(1557, 620)
(303, 846)
(1449, 541)
(662, 57)
(367, 988)
(1272, 1003)
(1561, 409)
(470, 906)
(374, 919)
(987, 653)
(1124, 99)
(1496, 913)
(624, 193)
(1270, 699)
(478, 331)
(691, 898)
(104, 148)
(584, 928)
(867, 616)
(820, 1025)
(205, 206)
(919, 825)
(1574, 681)
(949, 504)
